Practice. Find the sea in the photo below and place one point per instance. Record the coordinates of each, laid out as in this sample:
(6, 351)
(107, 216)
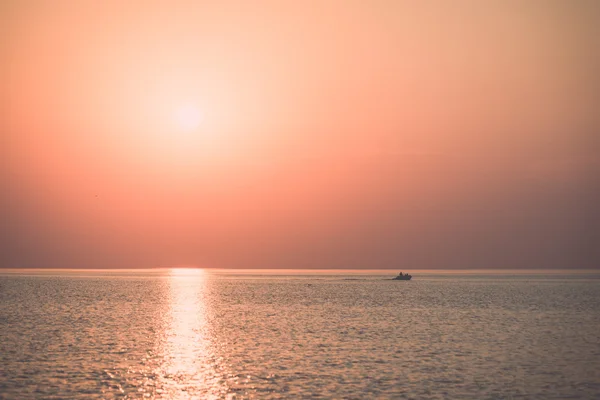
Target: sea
(218, 334)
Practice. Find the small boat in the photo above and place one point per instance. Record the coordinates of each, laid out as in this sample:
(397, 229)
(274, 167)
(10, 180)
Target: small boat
(402, 277)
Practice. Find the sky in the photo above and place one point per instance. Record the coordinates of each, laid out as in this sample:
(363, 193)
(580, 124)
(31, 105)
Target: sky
(300, 134)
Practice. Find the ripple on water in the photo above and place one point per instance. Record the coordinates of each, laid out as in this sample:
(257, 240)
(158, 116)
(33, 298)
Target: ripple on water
(171, 336)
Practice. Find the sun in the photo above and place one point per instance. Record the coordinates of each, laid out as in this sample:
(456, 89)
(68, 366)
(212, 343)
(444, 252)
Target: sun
(188, 117)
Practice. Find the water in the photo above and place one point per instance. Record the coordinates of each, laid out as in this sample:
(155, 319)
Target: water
(188, 334)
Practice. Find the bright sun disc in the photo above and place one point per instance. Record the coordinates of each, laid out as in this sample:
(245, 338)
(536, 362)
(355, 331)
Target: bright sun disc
(188, 117)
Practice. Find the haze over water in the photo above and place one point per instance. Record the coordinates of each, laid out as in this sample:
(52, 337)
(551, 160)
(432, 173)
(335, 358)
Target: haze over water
(288, 134)
(299, 134)
(197, 334)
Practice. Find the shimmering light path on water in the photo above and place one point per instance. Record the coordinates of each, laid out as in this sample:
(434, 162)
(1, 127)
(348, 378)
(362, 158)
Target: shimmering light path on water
(198, 334)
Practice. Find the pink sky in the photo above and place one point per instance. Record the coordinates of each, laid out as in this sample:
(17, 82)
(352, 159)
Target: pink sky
(323, 134)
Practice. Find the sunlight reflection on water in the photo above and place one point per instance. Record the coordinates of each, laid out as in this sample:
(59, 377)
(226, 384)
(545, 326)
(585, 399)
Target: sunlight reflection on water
(188, 367)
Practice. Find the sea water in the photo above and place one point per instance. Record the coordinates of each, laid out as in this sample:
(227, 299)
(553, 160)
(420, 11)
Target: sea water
(199, 334)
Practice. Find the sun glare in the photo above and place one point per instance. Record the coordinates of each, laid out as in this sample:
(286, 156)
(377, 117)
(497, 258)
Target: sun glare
(188, 272)
(188, 117)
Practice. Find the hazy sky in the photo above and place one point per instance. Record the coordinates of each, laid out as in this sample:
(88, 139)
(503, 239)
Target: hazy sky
(306, 134)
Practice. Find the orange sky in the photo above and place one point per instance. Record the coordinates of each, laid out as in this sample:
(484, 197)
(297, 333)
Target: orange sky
(330, 134)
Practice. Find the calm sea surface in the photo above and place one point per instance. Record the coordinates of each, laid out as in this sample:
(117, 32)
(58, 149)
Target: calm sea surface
(191, 334)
